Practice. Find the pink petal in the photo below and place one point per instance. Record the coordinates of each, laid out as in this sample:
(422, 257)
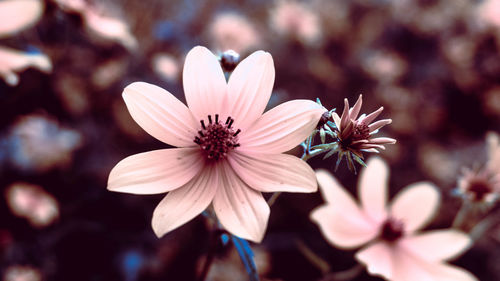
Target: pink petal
(444, 272)
(437, 245)
(345, 118)
(343, 229)
(185, 203)
(334, 193)
(204, 83)
(493, 143)
(274, 172)
(239, 208)
(370, 117)
(155, 171)
(416, 205)
(379, 124)
(17, 15)
(378, 259)
(249, 88)
(372, 189)
(282, 128)
(160, 114)
(12, 61)
(354, 111)
(411, 268)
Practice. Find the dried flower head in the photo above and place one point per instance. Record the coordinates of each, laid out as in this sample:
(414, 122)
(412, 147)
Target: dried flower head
(356, 136)
(393, 246)
(482, 185)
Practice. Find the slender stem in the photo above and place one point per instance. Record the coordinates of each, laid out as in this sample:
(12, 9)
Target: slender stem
(312, 257)
(214, 239)
(459, 220)
(273, 198)
(344, 275)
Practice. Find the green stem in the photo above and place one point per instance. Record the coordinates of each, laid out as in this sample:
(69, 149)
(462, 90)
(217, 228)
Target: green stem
(462, 214)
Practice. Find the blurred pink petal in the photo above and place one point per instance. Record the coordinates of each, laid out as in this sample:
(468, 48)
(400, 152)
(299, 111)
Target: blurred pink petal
(12, 61)
(345, 230)
(493, 142)
(185, 203)
(394, 252)
(416, 205)
(240, 209)
(372, 189)
(22, 273)
(150, 173)
(17, 15)
(109, 28)
(437, 245)
(204, 83)
(233, 31)
(274, 172)
(217, 145)
(253, 75)
(378, 259)
(160, 114)
(33, 203)
(282, 127)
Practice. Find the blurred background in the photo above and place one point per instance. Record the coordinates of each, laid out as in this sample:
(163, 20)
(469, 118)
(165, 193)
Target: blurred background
(433, 64)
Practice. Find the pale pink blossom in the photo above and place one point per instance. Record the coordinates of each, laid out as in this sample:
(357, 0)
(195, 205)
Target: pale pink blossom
(22, 273)
(33, 203)
(15, 16)
(393, 246)
(296, 19)
(233, 31)
(228, 151)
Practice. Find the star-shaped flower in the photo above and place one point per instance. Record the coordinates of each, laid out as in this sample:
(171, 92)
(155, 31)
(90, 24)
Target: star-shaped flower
(228, 151)
(356, 135)
(394, 248)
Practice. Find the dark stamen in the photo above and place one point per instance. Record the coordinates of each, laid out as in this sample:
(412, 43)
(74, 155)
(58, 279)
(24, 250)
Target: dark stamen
(230, 123)
(201, 133)
(203, 124)
(210, 119)
(237, 132)
(216, 118)
(228, 119)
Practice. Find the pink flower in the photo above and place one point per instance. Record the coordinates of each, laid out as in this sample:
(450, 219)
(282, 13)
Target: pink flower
(227, 152)
(394, 248)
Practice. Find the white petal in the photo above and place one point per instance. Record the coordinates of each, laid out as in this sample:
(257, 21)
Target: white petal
(282, 128)
(204, 83)
(416, 205)
(250, 87)
(437, 245)
(274, 172)
(18, 14)
(344, 229)
(372, 189)
(239, 208)
(186, 202)
(155, 171)
(160, 114)
(378, 259)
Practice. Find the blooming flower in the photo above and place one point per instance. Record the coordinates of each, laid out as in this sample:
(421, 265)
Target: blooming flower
(17, 15)
(227, 152)
(483, 185)
(395, 249)
(356, 136)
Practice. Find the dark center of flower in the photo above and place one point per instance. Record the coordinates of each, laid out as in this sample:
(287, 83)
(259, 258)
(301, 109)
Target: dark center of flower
(216, 139)
(360, 131)
(391, 230)
(479, 189)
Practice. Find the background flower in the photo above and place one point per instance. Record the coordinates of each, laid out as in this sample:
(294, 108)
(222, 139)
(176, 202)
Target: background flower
(394, 247)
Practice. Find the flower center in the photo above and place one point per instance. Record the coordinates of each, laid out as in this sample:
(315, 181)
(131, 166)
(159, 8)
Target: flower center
(392, 230)
(361, 131)
(216, 139)
(479, 189)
